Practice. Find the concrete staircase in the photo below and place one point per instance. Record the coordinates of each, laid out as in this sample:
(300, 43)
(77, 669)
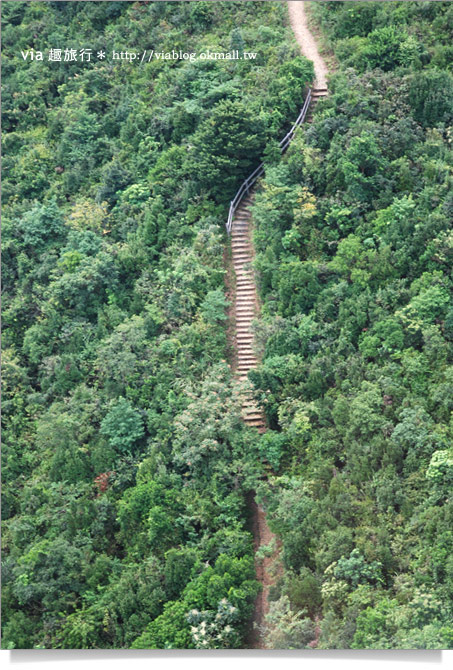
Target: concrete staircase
(246, 307)
(246, 303)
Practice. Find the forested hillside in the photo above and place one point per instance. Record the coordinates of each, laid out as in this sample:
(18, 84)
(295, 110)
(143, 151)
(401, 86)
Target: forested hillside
(353, 232)
(126, 461)
(127, 468)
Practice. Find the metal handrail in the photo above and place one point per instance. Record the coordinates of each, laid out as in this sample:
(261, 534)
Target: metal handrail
(252, 178)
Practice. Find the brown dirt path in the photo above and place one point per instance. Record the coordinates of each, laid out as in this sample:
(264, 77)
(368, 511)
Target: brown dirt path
(267, 569)
(299, 23)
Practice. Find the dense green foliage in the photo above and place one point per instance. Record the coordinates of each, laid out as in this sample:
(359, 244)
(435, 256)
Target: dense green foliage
(126, 461)
(353, 231)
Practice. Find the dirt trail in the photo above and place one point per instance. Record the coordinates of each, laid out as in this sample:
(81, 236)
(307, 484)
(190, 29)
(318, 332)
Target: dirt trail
(299, 24)
(267, 570)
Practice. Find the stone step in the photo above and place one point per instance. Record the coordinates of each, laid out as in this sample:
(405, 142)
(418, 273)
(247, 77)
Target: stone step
(254, 416)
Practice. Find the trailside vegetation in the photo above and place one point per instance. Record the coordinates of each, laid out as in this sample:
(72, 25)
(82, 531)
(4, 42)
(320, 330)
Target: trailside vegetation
(126, 461)
(353, 233)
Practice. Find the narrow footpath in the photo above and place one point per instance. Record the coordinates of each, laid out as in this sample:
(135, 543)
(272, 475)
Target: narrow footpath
(299, 23)
(246, 308)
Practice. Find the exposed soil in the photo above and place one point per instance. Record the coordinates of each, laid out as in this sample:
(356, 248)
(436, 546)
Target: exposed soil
(266, 569)
(299, 23)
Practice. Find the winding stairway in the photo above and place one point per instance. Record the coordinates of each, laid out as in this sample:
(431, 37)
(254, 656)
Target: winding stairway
(246, 306)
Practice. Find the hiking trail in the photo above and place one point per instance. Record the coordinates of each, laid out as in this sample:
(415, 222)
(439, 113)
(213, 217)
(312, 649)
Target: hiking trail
(245, 309)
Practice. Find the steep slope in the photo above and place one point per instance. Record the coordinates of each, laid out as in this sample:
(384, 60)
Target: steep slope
(246, 308)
